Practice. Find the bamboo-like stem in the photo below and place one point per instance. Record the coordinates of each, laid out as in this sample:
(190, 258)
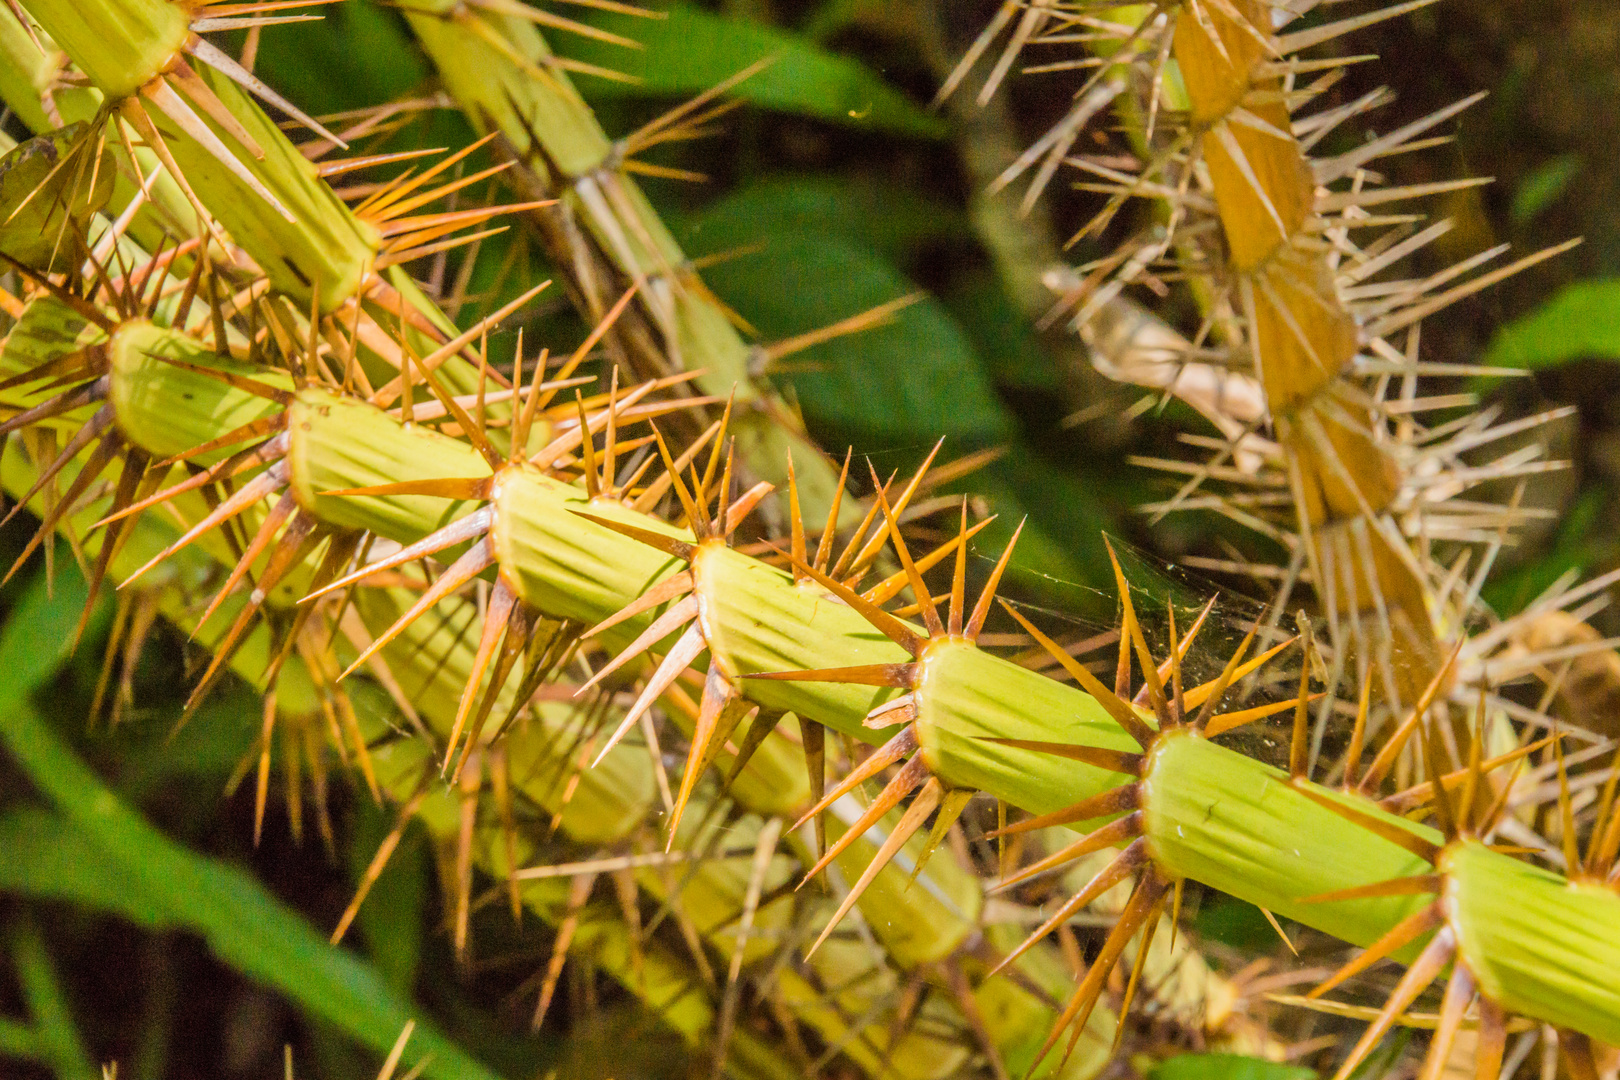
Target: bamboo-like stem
(499, 70)
(27, 71)
(273, 203)
(607, 804)
(756, 619)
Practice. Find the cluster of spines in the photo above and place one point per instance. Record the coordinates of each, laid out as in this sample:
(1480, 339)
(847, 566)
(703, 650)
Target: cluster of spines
(924, 602)
(1247, 230)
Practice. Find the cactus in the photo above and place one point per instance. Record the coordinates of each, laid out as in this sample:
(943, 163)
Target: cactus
(327, 483)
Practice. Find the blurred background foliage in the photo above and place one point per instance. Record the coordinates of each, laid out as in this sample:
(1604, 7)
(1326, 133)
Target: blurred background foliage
(833, 190)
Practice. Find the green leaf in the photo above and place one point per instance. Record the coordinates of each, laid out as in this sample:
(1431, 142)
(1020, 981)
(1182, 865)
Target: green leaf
(909, 381)
(1226, 1067)
(161, 883)
(18, 1040)
(1582, 320)
(1543, 186)
(1002, 335)
(892, 221)
(1576, 545)
(56, 1036)
(356, 56)
(51, 858)
(1060, 553)
(692, 51)
(390, 921)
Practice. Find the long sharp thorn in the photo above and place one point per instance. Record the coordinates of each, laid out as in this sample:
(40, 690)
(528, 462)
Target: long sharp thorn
(1445, 809)
(1358, 734)
(587, 446)
(891, 675)
(105, 451)
(1459, 995)
(765, 722)
(687, 649)
(499, 611)
(814, 738)
(1150, 671)
(265, 484)
(379, 862)
(256, 429)
(222, 62)
(1492, 1040)
(744, 505)
(666, 590)
(1391, 830)
(669, 545)
(661, 627)
(1198, 695)
(1117, 800)
(475, 561)
(1118, 761)
(696, 520)
(1401, 935)
(902, 744)
(1125, 829)
(926, 802)
(797, 551)
(1413, 797)
(468, 528)
(66, 402)
(170, 104)
(1228, 673)
(579, 891)
(905, 781)
(919, 588)
(1435, 956)
(295, 544)
(950, 810)
(1221, 723)
(1386, 756)
(981, 610)
(891, 627)
(1566, 809)
(829, 532)
(204, 98)
(273, 521)
(1078, 1011)
(719, 712)
(1150, 925)
(1405, 886)
(1124, 715)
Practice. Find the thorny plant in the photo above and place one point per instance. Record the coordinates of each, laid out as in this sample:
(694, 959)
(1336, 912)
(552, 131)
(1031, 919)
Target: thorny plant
(278, 400)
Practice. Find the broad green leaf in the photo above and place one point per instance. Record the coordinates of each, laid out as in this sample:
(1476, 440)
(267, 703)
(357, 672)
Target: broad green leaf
(1226, 1067)
(51, 858)
(1001, 334)
(357, 55)
(892, 221)
(1582, 320)
(1543, 186)
(1060, 555)
(691, 51)
(161, 883)
(915, 378)
(1577, 545)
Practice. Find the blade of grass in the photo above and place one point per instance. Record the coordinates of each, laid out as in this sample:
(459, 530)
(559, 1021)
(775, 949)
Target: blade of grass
(56, 1037)
(162, 883)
